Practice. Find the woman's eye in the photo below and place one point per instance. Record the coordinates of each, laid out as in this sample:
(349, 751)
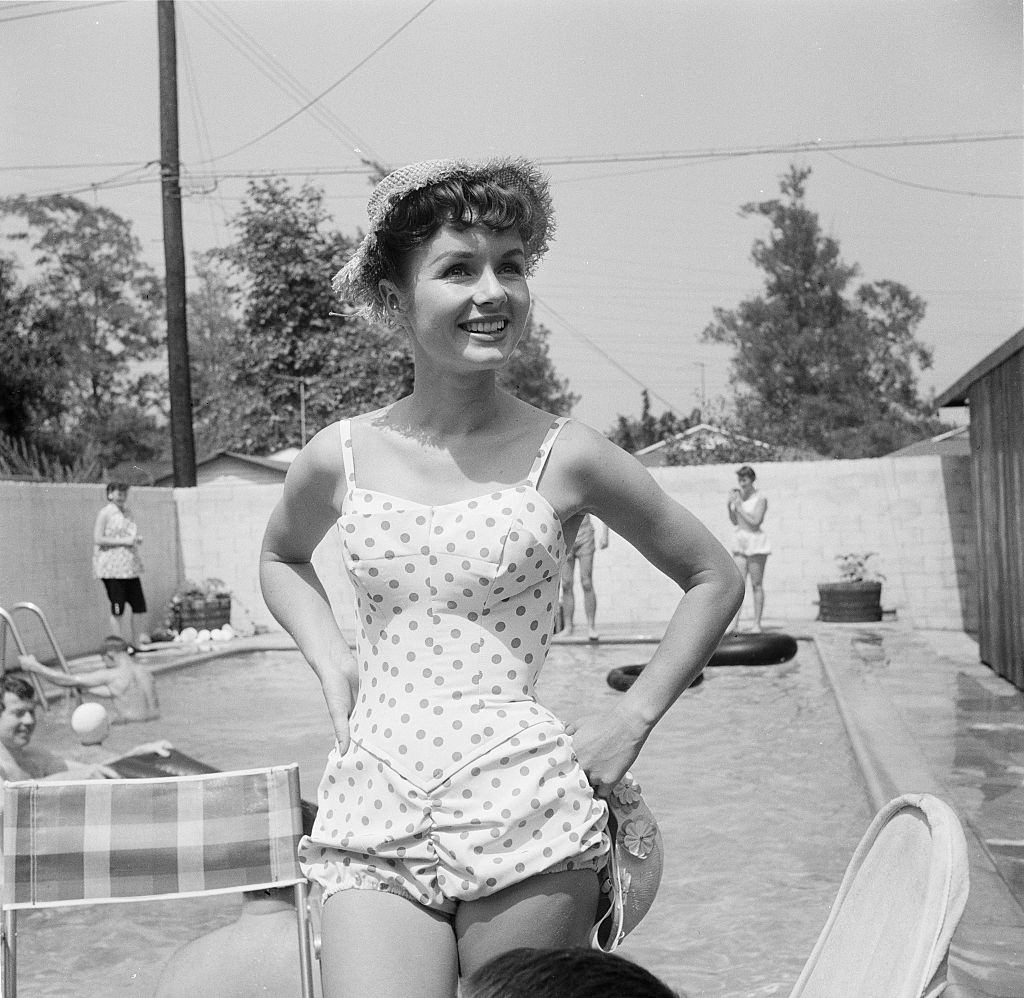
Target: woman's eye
(513, 268)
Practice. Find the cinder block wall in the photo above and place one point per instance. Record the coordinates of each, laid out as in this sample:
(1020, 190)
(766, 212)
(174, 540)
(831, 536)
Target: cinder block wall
(46, 559)
(221, 533)
(915, 512)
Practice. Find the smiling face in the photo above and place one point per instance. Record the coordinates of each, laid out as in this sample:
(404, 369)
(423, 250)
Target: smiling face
(119, 497)
(17, 720)
(465, 299)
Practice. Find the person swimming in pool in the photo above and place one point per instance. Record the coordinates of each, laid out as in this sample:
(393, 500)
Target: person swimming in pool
(125, 687)
(457, 817)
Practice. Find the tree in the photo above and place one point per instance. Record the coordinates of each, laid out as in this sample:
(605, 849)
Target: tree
(635, 434)
(531, 376)
(816, 368)
(282, 257)
(91, 310)
(31, 365)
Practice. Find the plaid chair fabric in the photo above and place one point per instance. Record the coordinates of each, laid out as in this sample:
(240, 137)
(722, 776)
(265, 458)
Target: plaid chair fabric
(103, 841)
(96, 841)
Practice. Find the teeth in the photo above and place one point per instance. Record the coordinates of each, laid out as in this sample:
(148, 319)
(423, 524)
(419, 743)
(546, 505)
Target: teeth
(493, 326)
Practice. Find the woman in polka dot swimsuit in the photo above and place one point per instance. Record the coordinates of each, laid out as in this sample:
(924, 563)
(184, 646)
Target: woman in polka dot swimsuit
(457, 817)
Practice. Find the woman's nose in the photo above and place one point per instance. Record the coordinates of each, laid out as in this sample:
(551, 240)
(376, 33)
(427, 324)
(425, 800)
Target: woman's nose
(488, 288)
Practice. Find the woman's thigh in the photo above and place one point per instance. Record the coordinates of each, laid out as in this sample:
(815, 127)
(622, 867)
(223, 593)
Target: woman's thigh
(381, 945)
(756, 568)
(544, 911)
(741, 563)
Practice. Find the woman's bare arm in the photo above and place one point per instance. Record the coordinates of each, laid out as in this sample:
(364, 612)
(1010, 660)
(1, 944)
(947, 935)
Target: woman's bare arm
(621, 492)
(310, 505)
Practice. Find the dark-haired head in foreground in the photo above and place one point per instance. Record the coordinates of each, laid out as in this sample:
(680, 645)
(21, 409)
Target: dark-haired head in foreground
(564, 973)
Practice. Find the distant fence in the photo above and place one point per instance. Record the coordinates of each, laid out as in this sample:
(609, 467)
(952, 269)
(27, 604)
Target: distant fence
(915, 512)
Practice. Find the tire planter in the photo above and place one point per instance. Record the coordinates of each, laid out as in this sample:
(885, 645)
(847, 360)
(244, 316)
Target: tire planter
(736, 649)
(849, 602)
(199, 612)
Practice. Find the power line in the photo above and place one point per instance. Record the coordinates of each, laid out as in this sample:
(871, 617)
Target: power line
(264, 61)
(270, 131)
(814, 145)
(924, 187)
(607, 356)
(59, 10)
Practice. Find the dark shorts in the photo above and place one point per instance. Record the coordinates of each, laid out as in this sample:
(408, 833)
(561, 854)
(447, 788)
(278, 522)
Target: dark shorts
(125, 592)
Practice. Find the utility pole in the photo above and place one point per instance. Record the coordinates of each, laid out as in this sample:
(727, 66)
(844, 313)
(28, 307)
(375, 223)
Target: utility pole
(703, 399)
(183, 447)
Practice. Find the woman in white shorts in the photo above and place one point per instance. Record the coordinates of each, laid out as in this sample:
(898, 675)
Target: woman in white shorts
(750, 544)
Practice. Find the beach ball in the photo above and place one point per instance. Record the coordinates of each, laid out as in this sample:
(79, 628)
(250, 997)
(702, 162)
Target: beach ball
(90, 722)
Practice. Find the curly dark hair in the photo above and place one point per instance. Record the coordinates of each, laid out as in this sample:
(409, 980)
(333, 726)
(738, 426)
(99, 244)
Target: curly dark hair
(564, 973)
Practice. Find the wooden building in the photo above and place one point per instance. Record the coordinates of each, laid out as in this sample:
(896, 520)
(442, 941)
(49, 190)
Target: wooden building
(994, 391)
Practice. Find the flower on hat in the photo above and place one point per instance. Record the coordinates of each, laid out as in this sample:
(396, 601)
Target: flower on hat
(627, 792)
(638, 836)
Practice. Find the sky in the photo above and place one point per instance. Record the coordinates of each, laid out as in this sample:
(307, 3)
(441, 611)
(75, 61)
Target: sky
(655, 121)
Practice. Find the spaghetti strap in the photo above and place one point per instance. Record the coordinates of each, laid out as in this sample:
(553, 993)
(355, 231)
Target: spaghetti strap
(345, 432)
(545, 450)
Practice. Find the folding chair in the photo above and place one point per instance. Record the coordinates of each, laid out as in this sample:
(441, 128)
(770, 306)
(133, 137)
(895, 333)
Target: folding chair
(904, 892)
(105, 841)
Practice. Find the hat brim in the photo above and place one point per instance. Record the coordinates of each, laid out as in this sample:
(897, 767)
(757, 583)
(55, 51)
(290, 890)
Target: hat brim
(633, 879)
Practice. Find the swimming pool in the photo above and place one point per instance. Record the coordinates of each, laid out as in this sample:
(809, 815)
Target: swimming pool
(750, 774)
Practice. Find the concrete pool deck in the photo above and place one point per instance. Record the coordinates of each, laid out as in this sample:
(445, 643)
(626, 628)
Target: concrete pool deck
(923, 715)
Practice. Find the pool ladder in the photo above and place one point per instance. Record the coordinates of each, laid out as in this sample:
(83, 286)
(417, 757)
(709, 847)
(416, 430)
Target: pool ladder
(7, 624)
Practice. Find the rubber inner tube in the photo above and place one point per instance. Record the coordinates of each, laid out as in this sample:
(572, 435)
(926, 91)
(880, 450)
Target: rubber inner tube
(735, 649)
(754, 649)
(623, 677)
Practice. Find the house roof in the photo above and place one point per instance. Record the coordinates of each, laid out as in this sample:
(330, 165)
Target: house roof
(701, 429)
(952, 443)
(957, 393)
(165, 472)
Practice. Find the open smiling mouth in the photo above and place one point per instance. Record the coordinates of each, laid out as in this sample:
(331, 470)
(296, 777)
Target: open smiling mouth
(485, 327)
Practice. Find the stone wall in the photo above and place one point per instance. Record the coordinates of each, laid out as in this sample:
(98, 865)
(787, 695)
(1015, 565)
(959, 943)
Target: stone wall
(915, 512)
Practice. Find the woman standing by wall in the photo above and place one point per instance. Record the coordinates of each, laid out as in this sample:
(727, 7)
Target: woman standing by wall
(750, 544)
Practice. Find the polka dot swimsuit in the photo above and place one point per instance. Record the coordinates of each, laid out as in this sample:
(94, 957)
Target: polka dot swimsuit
(457, 783)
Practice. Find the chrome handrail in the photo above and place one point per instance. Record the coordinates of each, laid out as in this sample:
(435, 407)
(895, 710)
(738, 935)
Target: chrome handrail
(7, 621)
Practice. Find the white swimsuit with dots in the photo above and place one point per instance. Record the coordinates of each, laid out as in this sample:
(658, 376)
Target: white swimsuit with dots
(457, 783)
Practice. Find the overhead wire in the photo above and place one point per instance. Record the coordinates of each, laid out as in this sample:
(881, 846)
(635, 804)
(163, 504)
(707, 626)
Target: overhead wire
(573, 331)
(202, 135)
(265, 62)
(362, 62)
(59, 10)
(923, 187)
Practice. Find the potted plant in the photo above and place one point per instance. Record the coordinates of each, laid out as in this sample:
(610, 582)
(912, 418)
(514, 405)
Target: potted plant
(857, 596)
(205, 604)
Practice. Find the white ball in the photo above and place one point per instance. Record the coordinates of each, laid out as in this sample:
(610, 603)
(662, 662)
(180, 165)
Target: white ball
(228, 631)
(216, 634)
(189, 634)
(203, 635)
(90, 720)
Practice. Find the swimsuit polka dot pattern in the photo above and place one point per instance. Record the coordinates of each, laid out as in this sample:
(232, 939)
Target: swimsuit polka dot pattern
(457, 782)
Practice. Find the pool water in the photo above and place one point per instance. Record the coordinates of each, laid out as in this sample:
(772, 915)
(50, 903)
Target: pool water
(750, 775)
